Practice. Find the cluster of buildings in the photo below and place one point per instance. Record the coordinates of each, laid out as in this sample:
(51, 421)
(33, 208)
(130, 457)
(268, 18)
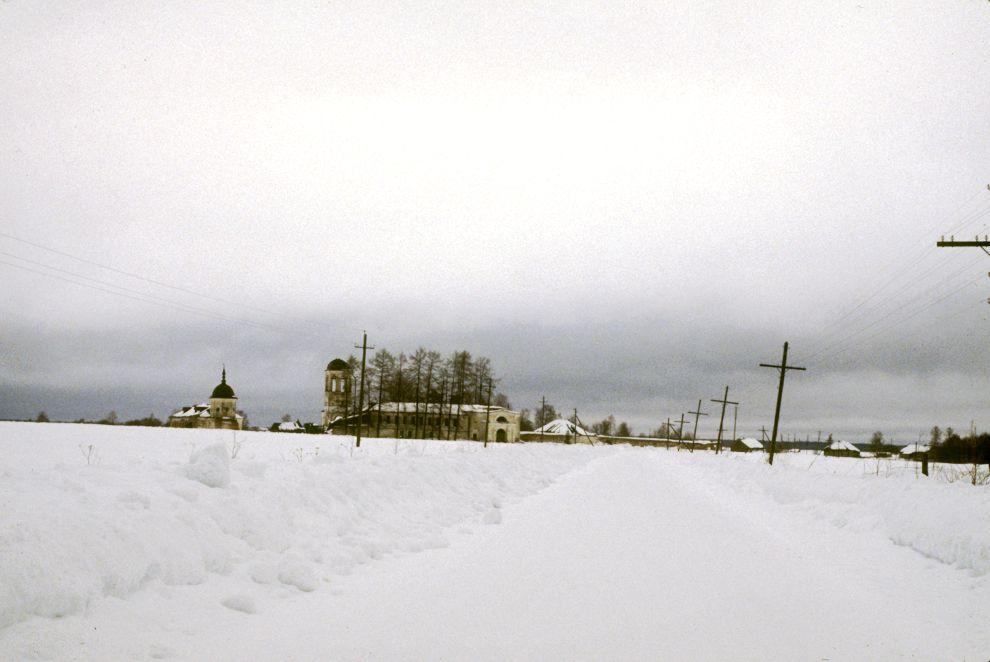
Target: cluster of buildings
(411, 420)
(218, 413)
(408, 420)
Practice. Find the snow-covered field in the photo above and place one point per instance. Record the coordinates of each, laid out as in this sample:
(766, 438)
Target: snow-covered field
(143, 543)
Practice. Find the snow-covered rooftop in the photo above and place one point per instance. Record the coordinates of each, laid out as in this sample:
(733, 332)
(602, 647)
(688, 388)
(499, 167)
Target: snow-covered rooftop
(750, 442)
(563, 427)
(841, 445)
(911, 449)
(192, 411)
(422, 408)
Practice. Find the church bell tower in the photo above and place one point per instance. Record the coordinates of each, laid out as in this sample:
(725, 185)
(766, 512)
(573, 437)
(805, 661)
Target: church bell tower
(336, 391)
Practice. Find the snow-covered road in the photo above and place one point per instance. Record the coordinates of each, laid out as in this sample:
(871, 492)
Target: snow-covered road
(628, 554)
(628, 560)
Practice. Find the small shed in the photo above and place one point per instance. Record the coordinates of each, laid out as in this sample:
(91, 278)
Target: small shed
(841, 448)
(747, 445)
(915, 451)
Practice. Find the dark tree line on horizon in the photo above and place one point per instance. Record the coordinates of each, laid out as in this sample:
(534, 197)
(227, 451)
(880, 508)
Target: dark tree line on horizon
(950, 447)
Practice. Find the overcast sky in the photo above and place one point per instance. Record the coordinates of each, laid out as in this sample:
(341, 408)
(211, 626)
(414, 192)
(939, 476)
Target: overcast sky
(626, 206)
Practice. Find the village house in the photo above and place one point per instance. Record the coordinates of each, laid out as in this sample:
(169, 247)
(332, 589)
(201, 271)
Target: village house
(220, 413)
(407, 420)
(841, 448)
(747, 445)
(915, 451)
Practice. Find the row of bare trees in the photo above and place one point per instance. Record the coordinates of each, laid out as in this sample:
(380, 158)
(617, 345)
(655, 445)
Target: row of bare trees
(428, 380)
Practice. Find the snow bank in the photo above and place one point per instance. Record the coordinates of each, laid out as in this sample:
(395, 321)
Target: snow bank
(290, 512)
(946, 522)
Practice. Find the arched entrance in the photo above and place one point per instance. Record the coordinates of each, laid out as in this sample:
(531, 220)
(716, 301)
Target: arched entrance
(500, 436)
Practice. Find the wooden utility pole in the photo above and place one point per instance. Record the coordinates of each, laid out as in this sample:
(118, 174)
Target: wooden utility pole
(694, 436)
(364, 355)
(488, 411)
(783, 367)
(667, 432)
(680, 433)
(579, 425)
(725, 401)
(977, 243)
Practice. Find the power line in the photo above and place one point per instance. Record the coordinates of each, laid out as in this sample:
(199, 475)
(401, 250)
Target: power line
(148, 297)
(135, 295)
(911, 315)
(898, 269)
(825, 346)
(130, 274)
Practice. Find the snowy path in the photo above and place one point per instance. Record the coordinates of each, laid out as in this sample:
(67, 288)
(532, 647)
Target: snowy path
(630, 560)
(634, 557)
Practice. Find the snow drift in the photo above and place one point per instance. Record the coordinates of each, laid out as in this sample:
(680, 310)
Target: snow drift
(171, 505)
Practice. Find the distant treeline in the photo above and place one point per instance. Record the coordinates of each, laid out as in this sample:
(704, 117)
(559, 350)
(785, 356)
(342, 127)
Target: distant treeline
(954, 449)
(150, 420)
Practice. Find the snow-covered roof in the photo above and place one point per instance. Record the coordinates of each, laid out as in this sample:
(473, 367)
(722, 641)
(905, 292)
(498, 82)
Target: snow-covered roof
(562, 426)
(840, 445)
(192, 411)
(750, 442)
(411, 408)
(201, 410)
(289, 426)
(911, 449)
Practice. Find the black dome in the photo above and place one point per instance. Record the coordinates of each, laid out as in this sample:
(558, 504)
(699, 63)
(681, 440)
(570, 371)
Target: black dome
(223, 389)
(338, 364)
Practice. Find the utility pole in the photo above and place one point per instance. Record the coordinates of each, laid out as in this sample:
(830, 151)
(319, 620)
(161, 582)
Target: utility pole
(725, 401)
(976, 243)
(364, 356)
(680, 433)
(667, 432)
(783, 367)
(694, 437)
(488, 411)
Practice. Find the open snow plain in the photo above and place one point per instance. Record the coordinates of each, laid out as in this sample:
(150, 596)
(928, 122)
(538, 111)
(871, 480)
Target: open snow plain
(140, 543)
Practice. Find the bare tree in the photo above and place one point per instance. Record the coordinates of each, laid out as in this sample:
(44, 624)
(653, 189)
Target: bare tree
(545, 412)
(384, 365)
(417, 363)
